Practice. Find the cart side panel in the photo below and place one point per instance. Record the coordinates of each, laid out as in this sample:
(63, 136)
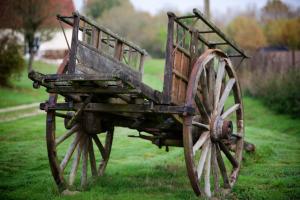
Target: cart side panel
(89, 57)
(180, 73)
(103, 47)
(181, 51)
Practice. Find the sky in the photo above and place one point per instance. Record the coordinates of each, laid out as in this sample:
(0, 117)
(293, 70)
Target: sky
(221, 6)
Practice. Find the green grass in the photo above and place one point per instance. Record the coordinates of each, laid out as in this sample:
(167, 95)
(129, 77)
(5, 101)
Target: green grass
(22, 91)
(138, 169)
(154, 73)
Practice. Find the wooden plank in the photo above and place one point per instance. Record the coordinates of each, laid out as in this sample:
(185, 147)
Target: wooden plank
(95, 37)
(180, 85)
(118, 54)
(103, 63)
(79, 77)
(169, 61)
(89, 89)
(73, 52)
(117, 108)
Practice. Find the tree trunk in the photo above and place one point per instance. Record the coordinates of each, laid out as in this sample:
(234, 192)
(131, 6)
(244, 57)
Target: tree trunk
(31, 57)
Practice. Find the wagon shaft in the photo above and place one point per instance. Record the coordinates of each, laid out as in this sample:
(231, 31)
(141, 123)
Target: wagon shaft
(199, 109)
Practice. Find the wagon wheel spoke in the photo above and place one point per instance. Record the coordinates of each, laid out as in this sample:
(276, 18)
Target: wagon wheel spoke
(203, 138)
(201, 107)
(222, 167)
(227, 153)
(92, 158)
(75, 164)
(66, 135)
(203, 156)
(200, 125)
(230, 110)
(100, 146)
(70, 152)
(207, 173)
(205, 92)
(225, 95)
(215, 169)
(218, 84)
(84, 161)
(211, 82)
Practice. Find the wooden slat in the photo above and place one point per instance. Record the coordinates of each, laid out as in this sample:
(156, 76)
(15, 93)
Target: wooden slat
(95, 37)
(167, 90)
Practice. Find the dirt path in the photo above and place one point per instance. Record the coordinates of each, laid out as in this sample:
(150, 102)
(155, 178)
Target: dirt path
(18, 112)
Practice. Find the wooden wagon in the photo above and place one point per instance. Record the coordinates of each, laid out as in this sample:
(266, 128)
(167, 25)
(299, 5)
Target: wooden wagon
(199, 109)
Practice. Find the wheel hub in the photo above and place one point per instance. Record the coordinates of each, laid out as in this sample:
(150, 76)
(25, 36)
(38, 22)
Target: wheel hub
(221, 129)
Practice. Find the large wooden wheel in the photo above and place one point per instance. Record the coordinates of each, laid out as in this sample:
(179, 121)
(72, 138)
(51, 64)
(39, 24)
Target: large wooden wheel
(213, 137)
(73, 150)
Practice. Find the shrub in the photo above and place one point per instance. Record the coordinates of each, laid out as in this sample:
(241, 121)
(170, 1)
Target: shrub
(282, 93)
(11, 60)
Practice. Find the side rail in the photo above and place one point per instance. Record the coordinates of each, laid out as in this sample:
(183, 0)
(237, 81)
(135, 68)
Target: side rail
(97, 47)
(188, 37)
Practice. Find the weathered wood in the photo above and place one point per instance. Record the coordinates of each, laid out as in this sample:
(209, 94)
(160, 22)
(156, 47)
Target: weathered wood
(73, 52)
(79, 77)
(92, 158)
(222, 168)
(220, 75)
(227, 153)
(225, 95)
(230, 110)
(90, 89)
(95, 37)
(84, 161)
(218, 31)
(169, 61)
(75, 164)
(207, 174)
(66, 135)
(200, 125)
(118, 50)
(103, 63)
(202, 160)
(203, 138)
(70, 152)
(100, 146)
(215, 168)
(130, 108)
(193, 49)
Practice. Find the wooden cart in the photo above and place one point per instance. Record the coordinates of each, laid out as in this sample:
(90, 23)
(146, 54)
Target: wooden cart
(199, 109)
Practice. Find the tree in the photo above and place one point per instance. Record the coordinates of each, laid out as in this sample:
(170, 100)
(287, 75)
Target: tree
(247, 33)
(274, 10)
(11, 60)
(95, 8)
(31, 16)
(284, 32)
(139, 27)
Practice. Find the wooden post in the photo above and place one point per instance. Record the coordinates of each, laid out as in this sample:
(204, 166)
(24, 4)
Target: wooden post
(193, 49)
(166, 99)
(95, 37)
(118, 50)
(141, 65)
(72, 62)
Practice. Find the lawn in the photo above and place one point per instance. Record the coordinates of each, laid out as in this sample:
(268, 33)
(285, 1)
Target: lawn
(139, 170)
